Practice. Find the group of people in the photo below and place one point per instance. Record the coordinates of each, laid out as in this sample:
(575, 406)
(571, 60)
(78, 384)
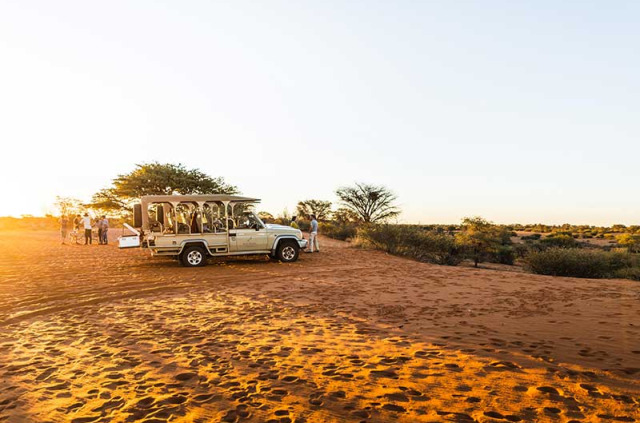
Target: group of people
(313, 233)
(87, 224)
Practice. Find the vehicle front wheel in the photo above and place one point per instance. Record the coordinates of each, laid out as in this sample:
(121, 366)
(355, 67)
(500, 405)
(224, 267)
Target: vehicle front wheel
(288, 251)
(193, 257)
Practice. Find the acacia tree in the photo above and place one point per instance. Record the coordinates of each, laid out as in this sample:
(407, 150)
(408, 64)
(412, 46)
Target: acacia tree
(321, 209)
(372, 204)
(158, 179)
(68, 206)
(345, 215)
(481, 237)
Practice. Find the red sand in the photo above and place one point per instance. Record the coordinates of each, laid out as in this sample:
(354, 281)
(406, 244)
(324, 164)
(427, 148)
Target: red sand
(96, 334)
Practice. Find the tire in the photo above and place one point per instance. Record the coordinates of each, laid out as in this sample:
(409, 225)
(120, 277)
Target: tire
(193, 257)
(288, 251)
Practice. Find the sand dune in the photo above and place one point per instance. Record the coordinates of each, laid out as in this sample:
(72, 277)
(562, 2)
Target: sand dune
(95, 334)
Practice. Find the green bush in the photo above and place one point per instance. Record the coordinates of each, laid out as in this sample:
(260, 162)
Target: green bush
(411, 241)
(532, 237)
(559, 240)
(632, 273)
(340, 230)
(505, 255)
(305, 225)
(521, 250)
(579, 263)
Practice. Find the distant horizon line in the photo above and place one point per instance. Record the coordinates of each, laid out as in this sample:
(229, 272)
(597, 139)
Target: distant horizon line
(27, 215)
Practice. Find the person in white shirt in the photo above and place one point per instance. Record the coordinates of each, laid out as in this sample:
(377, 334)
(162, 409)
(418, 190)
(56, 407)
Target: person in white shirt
(86, 222)
(313, 235)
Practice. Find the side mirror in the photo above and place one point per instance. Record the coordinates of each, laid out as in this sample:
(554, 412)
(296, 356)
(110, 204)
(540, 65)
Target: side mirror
(258, 227)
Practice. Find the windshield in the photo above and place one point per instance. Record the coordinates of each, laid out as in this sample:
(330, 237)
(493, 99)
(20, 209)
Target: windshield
(248, 220)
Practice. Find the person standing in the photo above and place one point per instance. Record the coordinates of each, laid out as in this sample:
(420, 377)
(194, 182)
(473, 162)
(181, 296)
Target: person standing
(76, 228)
(64, 228)
(294, 224)
(104, 227)
(313, 235)
(86, 223)
(98, 224)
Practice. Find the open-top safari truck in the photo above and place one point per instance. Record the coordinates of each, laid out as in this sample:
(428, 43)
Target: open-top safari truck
(195, 227)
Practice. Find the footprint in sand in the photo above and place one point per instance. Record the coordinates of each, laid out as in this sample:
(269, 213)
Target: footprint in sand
(616, 418)
(243, 411)
(115, 403)
(174, 400)
(548, 390)
(280, 392)
(395, 408)
(387, 373)
(86, 419)
(493, 414)
(45, 375)
(552, 410)
(363, 414)
(145, 402)
(397, 396)
(456, 417)
(230, 416)
(316, 399)
(502, 365)
(520, 388)
(203, 397)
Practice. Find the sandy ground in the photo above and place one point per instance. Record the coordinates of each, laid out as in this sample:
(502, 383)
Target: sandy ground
(97, 334)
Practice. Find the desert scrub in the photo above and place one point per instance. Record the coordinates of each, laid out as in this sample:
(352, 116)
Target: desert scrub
(411, 241)
(632, 273)
(340, 230)
(505, 254)
(562, 240)
(580, 263)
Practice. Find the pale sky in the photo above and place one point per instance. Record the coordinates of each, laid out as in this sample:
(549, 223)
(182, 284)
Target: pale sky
(518, 111)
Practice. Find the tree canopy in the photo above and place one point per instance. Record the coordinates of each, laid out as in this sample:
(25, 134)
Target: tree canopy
(345, 215)
(158, 179)
(481, 237)
(321, 209)
(266, 217)
(68, 206)
(372, 204)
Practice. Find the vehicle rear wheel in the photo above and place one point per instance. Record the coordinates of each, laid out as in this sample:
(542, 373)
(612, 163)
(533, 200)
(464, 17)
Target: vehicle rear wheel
(193, 257)
(288, 251)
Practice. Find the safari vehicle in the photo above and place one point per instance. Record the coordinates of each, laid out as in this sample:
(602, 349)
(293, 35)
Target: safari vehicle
(195, 227)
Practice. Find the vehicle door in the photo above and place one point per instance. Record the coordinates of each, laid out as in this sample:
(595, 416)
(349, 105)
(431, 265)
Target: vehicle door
(250, 234)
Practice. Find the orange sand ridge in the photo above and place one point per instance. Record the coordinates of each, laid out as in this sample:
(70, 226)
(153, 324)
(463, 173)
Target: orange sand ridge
(95, 334)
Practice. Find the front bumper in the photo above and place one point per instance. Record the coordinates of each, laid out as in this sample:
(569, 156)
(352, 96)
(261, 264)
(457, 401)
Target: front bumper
(302, 243)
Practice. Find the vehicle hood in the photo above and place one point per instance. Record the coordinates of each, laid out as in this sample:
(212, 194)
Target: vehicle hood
(281, 228)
